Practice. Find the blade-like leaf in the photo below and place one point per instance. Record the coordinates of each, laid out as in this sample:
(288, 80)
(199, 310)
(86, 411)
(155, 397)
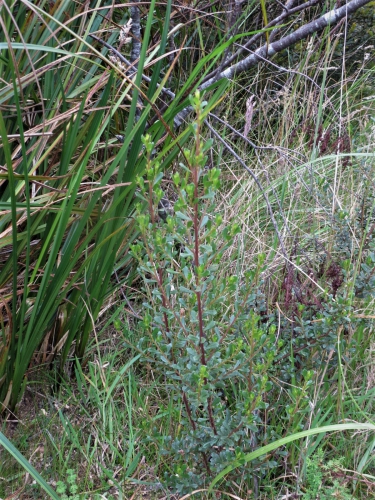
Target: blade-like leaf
(27, 466)
(288, 439)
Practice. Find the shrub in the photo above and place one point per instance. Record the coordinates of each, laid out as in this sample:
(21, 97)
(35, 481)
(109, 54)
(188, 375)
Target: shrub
(200, 323)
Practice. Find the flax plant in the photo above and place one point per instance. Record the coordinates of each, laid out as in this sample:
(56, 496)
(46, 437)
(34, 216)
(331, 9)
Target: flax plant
(66, 182)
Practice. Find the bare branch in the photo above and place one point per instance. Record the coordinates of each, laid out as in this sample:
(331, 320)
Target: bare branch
(281, 18)
(136, 46)
(136, 32)
(265, 52)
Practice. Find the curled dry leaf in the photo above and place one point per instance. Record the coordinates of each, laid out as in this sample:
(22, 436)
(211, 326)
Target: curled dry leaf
(125, 32)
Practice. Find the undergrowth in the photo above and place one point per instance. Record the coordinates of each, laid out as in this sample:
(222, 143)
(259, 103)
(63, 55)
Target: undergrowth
(228, 337)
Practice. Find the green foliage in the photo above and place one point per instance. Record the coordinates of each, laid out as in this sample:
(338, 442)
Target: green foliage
(240, 353)
(199, 324)
(210, 332)
(7, 445)
(319, 482)
(67, 191)
(68, 490)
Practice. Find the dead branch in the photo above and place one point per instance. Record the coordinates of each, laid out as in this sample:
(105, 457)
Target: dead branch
(266, 52)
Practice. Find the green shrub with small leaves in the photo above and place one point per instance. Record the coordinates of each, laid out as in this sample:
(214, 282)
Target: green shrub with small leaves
(200, 326)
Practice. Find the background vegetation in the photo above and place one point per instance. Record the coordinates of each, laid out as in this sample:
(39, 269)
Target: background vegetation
(186, 278)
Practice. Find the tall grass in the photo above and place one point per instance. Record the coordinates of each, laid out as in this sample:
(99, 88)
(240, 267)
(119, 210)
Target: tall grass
(67, 191)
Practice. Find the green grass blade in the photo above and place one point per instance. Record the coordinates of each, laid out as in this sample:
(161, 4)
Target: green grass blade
(289, 439)
(27, 466)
